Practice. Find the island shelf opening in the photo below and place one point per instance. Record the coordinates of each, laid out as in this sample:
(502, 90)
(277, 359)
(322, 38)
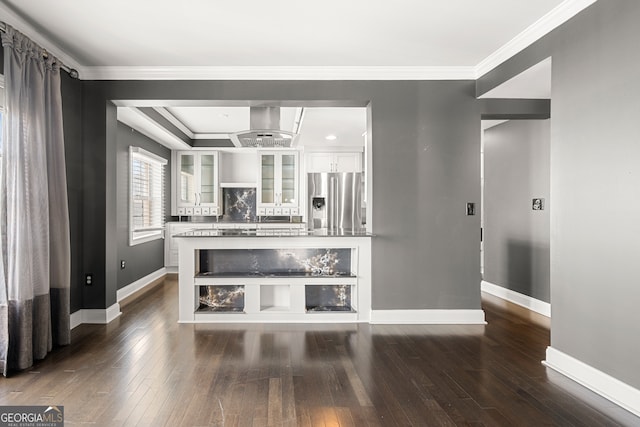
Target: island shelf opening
(274, 278)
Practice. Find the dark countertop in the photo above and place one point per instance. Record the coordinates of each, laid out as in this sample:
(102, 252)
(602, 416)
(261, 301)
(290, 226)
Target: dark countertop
(280, 232)
(280, 274)
(225, 219)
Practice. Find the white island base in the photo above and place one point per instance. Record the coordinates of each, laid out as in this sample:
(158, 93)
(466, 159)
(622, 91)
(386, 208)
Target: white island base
(295, 277)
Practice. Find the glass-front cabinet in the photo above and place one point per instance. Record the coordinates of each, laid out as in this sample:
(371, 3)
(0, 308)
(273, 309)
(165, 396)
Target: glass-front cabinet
(208, 180)
(267, 179)
(195, 184)
(278, 192)
(187, 180)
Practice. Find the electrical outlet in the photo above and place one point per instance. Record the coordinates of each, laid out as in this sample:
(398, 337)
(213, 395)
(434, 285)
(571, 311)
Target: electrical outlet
(88, 279)
(122, 264)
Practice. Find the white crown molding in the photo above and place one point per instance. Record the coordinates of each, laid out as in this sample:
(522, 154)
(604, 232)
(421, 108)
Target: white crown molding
(611, 388)
(279, 73)
(134, 118)
(211, 136)
(556, 17)
(177, 123)
(522, 300)
(17, 22)
(174, 120)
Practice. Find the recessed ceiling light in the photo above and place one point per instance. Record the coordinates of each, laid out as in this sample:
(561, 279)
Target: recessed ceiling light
(331, 137)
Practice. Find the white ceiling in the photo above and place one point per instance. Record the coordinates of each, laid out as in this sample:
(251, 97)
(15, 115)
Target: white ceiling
(533, 83)
(278, 39)
(212, 119)
(282, 32)
(458, 36)
(346, 125)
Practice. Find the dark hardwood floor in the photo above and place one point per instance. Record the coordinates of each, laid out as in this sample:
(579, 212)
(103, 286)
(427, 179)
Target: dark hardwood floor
(145, 369)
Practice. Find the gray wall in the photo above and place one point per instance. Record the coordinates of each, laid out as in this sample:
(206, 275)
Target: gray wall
(144, 258)
(516, 238)
(426, 166)
(594, 183)
(72, 115)
(595, 169)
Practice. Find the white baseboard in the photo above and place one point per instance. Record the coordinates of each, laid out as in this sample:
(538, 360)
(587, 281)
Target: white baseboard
(139, 284)
(522, 300)
(605, 385)
(75, 319)
(104, 316)
(428, 317)
(95, 315)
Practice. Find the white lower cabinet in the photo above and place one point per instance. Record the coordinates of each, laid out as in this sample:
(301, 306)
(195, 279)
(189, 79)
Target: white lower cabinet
(171, 244)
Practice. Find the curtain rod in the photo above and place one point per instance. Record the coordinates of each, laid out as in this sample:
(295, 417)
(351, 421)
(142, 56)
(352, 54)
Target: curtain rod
(73, 73)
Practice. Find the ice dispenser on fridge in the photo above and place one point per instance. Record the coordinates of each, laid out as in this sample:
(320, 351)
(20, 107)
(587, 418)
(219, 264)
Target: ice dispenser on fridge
(335, 201)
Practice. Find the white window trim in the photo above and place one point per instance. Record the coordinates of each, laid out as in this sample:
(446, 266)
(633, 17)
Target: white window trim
(136, 238)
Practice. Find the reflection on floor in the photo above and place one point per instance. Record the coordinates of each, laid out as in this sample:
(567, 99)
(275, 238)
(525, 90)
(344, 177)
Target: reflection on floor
(146, 369)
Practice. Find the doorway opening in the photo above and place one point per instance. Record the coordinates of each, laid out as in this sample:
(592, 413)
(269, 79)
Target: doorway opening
(515, 194)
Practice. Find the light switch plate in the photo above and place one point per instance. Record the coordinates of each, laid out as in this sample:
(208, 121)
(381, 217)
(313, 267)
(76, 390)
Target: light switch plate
(471, 208)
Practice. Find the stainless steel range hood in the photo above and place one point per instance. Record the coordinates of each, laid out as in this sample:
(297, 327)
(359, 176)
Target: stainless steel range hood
(264, 124)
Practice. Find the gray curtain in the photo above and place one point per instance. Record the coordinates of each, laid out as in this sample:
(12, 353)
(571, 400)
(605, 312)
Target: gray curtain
(34, 219)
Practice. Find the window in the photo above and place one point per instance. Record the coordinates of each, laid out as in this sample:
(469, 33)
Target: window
(146, 196)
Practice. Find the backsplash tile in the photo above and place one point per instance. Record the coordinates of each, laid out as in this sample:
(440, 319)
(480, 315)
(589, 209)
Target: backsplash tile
(239, 204)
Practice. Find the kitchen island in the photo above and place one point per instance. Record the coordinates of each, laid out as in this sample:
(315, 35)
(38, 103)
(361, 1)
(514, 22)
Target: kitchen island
(274, 275)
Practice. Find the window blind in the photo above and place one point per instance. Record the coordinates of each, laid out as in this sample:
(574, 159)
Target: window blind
(146, 200)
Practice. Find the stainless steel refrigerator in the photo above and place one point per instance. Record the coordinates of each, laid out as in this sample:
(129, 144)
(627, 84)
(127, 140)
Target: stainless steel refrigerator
(335, 201)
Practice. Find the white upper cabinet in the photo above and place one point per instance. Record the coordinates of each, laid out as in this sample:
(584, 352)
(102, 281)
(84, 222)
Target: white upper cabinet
(278, 183)
(195, 183)
(334, 162)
